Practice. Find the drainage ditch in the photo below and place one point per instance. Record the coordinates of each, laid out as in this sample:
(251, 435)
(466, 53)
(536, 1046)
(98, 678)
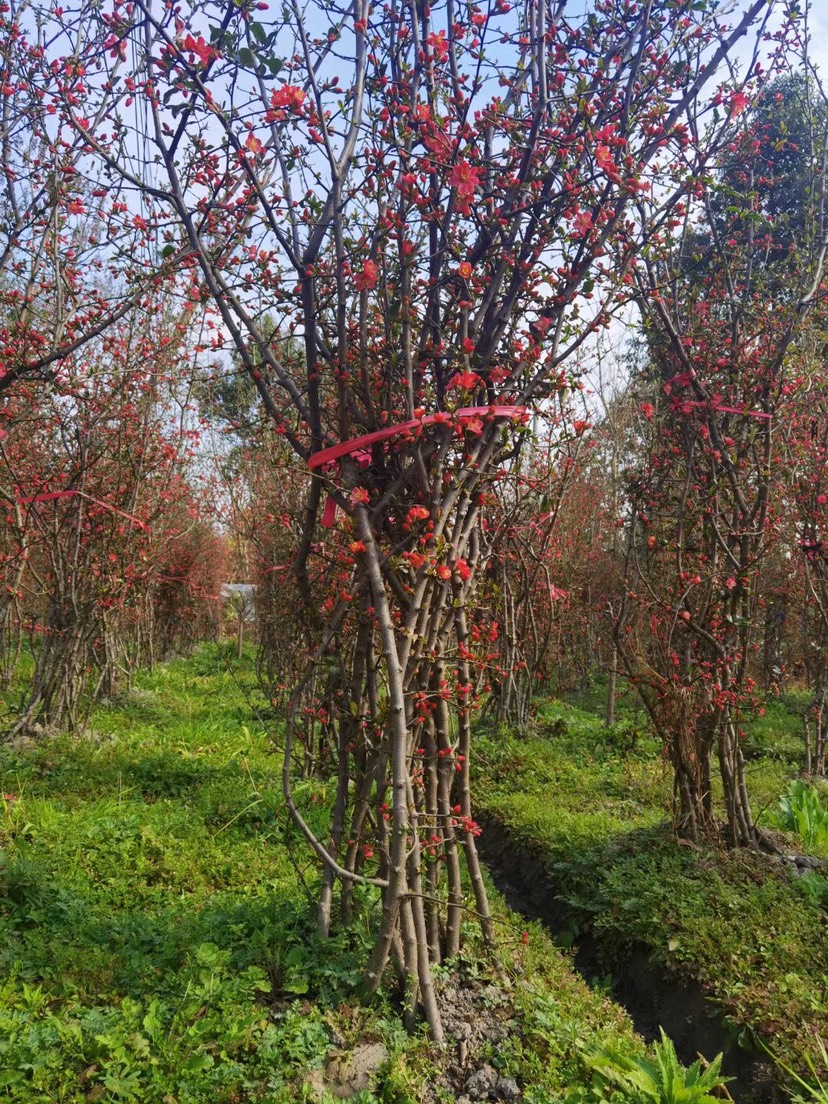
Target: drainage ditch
(652, 995)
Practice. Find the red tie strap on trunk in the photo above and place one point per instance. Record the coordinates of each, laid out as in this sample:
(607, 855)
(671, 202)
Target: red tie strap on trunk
(360, 447)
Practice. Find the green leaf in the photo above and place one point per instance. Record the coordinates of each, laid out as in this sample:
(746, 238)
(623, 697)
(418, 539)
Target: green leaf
(198, 1063)
(298, 985)
(124, 1085)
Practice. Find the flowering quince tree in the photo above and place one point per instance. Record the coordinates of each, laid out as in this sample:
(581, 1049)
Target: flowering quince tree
(76, 265)
(74, 258)
(724, 321)
(264, 497)
(421, 197)
(544, 522)
(183, 602)
(96, 505)
(804, 511)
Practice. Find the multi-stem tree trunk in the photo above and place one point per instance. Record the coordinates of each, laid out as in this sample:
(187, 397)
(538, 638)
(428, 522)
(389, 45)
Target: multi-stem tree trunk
(403, 770)
(56, 693)
(815, 619)
(722, 316)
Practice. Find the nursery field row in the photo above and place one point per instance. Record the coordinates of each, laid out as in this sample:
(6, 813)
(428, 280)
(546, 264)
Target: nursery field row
(158, 941)
(586, 811)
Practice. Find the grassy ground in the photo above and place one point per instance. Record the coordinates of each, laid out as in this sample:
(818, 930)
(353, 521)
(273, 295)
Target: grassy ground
(156, 926)
(753, 936)
(773, 733)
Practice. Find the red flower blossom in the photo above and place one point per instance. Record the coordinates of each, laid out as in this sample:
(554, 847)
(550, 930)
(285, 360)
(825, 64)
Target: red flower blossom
(367, 278)
(288, 98)
(738, 103)
(201, 48)
(583, 221)
(439, 44)
(465, 380)
(605, 161)
(464, 178)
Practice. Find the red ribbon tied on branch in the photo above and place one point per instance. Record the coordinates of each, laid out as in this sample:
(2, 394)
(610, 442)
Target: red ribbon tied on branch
(49, 496)
(359, 447)
(685, 404)
(685, 379)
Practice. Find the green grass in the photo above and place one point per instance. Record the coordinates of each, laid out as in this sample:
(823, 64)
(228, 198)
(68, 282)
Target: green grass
(774, 730)
(592, 698)
(753, 937)
(150, 907)
(157, 929)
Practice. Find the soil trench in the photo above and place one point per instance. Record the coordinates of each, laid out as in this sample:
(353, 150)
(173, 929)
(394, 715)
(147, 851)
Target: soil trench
(651, 994)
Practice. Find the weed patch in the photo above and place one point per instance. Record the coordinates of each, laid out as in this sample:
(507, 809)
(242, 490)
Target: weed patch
(157, 935)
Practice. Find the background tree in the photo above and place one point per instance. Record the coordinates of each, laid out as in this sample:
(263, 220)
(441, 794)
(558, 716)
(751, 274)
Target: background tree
(74, 258)
(94, 479)
(722, 318)
(806, 515)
